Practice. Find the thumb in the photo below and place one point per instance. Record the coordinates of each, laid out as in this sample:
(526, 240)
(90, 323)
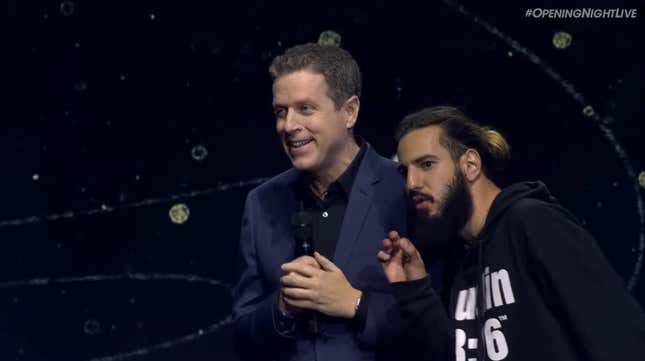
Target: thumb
(326, 264)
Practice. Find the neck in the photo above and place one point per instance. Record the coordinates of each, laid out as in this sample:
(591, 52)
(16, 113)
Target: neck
(483, 192)
(341, 161)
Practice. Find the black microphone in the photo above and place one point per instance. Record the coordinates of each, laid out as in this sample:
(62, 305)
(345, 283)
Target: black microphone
(302, 233)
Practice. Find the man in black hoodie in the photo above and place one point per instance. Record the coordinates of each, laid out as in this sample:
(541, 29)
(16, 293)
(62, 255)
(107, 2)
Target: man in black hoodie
(530, 282)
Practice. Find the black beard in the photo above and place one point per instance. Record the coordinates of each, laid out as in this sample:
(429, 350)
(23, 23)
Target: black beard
(439, 233)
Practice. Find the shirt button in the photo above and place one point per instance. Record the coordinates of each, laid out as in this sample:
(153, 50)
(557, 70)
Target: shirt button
(325, 214)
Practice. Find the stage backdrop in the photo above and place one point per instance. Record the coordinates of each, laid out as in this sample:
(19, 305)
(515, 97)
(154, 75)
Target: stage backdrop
(133, 130)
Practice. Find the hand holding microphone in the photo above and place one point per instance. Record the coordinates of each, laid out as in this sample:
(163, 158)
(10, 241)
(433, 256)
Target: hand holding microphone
(301, 229)
(303, 260)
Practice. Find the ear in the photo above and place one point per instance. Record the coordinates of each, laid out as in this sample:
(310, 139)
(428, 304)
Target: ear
(350, 109)
(471, 163)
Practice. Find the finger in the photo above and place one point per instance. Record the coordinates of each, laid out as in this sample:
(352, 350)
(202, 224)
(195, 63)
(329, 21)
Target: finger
(383, 256)
(387, 244)
(326, 264)
(408, 248)
(294, 302)
(303, 269)
(294, 279)
(307, 260)
(393, 235)
(297, 293)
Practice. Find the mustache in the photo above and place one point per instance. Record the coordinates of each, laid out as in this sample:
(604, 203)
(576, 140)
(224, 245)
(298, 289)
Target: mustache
(413, 194)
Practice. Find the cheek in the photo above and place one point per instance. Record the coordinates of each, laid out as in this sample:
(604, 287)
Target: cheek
(279, 127)
(334, 132)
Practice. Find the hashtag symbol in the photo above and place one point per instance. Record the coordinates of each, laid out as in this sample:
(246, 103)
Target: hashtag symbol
(529, 12)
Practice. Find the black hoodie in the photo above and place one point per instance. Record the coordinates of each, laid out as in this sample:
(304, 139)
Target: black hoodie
(548, 292)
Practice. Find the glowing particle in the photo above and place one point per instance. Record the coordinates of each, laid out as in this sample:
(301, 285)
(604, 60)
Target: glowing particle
(67, 8)
(199, 153)
(641, 178)
(329, 38)
(510, 54)
(122, 77)
(153, 17)
(562, 40)
(398, 87)
(92, 327)
(35, 177)
(588, 111)
(179, 213)
(609, 120)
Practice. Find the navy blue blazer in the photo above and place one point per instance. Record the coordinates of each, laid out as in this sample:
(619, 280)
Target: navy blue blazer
(377, 204)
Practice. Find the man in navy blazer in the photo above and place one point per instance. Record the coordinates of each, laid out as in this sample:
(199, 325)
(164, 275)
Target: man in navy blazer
(335, 304)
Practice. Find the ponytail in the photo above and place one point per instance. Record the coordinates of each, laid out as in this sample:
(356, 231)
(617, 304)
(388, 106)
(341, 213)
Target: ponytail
(498, 149)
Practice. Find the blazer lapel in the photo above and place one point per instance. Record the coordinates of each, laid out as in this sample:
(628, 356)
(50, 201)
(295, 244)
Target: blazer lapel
(282, 205)
(360, 201)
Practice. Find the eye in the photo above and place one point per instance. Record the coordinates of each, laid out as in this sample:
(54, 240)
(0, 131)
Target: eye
(280, 113)
(426, 164)
(307, 109)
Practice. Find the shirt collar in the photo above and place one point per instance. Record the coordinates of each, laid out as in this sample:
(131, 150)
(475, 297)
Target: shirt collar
(346, 180)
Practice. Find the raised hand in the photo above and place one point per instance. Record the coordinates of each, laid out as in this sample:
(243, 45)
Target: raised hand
(400, 260)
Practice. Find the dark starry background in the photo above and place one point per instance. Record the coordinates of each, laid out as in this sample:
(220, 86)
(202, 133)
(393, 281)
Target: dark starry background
(106, 100)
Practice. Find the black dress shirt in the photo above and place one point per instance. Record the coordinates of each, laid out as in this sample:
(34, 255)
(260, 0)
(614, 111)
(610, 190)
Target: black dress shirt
(327, 216)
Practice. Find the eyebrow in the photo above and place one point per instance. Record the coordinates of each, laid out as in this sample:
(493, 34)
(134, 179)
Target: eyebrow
(424, 157)
(296, 103)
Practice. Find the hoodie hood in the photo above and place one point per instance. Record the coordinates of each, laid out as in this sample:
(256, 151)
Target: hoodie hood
(510, 195)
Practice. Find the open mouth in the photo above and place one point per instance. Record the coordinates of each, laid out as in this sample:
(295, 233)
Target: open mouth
(422, 201)
(298, 143)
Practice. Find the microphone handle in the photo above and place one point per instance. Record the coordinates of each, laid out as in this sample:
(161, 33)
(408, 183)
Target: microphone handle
(312, 320)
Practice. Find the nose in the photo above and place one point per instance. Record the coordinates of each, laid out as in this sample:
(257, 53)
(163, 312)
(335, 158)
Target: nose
(291, 123)
(413, 180)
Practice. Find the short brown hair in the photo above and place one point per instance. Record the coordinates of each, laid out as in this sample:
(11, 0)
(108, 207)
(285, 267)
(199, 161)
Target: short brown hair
(460, 133)
(340, 70)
